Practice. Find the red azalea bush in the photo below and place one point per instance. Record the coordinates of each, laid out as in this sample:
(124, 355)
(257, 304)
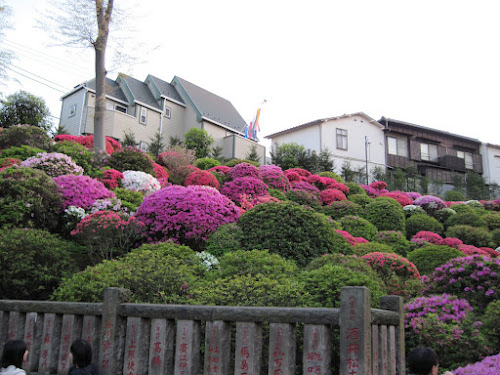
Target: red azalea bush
(7, 162)
(176, 161)
(161, 174)
(248, 202)
(451, 242)
(244, 185)
(274, 177)
(107, 234)
(293, 177)
(220, 169)
(472, 250)
(491, 252)
(328, 196)
(339, 186)
(111, 178)
(81, 191)
(187, 215)
(244, 170)
(300, 171)
(350, 238)
(201, 177)
(112, 145)
(426, 236)
(400, 197)
(378, 185)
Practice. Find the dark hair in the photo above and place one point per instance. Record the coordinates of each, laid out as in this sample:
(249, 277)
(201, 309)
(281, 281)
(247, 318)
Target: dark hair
(82, 353)
(13, 353)
(421, 360)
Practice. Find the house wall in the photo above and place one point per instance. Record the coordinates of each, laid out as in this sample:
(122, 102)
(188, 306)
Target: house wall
(175, 126)
(491, 163)
(309, 137)
(238, 147)
(72, 123)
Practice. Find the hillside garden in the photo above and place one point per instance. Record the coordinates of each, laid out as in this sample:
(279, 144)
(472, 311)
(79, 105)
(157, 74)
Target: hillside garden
(177, 229)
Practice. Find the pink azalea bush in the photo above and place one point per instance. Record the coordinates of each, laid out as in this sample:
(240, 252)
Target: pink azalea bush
(161, 174)
(412, 195)
(429, 203)
(426, 236)
(293, 177)
(370, 191)
(238, 187)
(186, 215)
(248, 202)
(378, 185)
(350, 238)
(451, 242)
(328, 196)
(300, 171)
(202, 178)
(53, 163)
(244, 170)
(220, 169)
(140, 181)
(111, 178)
(305, 186)
(471, 250)
(81, 191)
(400, 197)
(274, 177)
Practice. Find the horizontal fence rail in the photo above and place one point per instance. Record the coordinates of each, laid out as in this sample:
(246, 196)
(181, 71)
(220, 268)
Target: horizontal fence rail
(140, 339)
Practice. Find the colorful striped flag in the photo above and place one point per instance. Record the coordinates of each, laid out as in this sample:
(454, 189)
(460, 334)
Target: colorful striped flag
(254, 124)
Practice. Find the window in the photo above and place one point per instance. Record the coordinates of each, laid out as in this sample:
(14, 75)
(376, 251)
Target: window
(428, 152)
(72, 110)
(143, 116)
(397, 146)
(120, 108)
(167, 112)
(342, 139)
(467, 156)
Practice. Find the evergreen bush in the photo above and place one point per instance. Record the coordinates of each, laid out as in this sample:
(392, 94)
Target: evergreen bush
(385, 213)
(429, 257)
(478, 237)
(226, 238)
(19, 135)
(417, 223)
(396, 240)
(130, 158)
(359, 227)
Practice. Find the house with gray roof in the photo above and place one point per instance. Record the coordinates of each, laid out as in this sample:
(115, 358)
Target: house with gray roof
(146, 108)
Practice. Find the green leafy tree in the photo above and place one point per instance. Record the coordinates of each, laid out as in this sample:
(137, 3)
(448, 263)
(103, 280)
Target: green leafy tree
(129, 139)
(475, 186)
(253, 155)
(289, 155)
(173, 141)
(216, 153)
(25, 108)
(199, 141)
(325, 161)
(348, 174)
(156, 145)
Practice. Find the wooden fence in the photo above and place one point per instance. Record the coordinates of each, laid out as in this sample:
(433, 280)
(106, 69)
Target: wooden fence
(139, 339)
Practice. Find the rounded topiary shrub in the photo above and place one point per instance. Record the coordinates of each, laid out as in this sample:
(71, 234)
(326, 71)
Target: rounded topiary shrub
(361, 199)
(28, 198)
(33, 263)
(130, 158)
(81, 191)
(472, 219)
(399, 196)
(454, 196)
(324, 284)
(53, 163)
(244, 170)
(294, 232)
(248, 186)
(412, 210)
(338, 209)
(396, 240)
(444, 214)
(233, 162)
(186, 215)
(417, 223)
(302, 197)
(275, 178)
(206, 163)
(22, 152)
(333, 175)
(371, 247)
(129, 199)
(478, 237)
(429, 203)
(225, 239)
(385, 213)
(202, 178)
(428, 257)
(19, 135)
(354, 188)
(359, 227)
(492, 220)
(491, 325)
(159, 273)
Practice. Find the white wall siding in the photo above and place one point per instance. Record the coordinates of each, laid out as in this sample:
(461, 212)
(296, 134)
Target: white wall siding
(491, 163)
(72, 122)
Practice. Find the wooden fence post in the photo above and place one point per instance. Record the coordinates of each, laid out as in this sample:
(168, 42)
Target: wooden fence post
(110, 343)
(395, 303)
(355, 331)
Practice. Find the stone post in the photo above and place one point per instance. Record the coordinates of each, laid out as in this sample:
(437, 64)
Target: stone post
(70, 331)
(91, 327)
(187, 347)
(111, 355)
(51, 337)
(355, 331)
(32, 338)
(248, 351)
(16, 325)
(282, 346)
(217, 348)
(136, 347)
(161, 347)
(317, 350)
(395, 303)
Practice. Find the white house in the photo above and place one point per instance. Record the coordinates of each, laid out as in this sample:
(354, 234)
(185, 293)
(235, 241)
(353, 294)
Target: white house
(491, 163)
(355, 139)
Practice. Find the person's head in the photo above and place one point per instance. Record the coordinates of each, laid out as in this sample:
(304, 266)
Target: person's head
(14, 353)
(81, 353)
(422, 361)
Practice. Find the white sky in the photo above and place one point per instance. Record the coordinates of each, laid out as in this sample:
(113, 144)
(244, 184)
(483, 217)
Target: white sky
(431, 63)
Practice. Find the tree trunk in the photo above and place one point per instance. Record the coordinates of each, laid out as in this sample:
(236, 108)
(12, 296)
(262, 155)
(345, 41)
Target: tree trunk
(103, 18)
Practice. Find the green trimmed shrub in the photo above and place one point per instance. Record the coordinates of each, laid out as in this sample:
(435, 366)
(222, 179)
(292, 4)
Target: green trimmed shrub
(206, 163)
(28, 198)
(428, 257)
(359, 227)
(396, 240)
(226, 238)
(278, 194)
(324, 284)
(412, 210)
(22, 152)
(354, 188)
(462, 218)
(131, 159)
(159, 273)
(28, 135)
(491, 325)
(417, 223)
(303, 197)
(385, 213)
(496, 236)
(462, 208)
(338, 209)
(454, 196)
(479, 237)
(129, 198)
(444, 214)
(33, 263)
(231, 163)
(295, 232)
(361, 249)
(362, 199)
(492, 220)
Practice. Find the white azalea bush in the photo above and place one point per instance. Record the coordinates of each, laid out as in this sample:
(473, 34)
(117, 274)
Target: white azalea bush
(140, 181)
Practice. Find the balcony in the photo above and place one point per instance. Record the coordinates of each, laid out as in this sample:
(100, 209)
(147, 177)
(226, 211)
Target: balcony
(452, 162)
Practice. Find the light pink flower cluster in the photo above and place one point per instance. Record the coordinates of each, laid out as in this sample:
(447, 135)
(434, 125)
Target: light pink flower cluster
(140, 181)
(53, 163)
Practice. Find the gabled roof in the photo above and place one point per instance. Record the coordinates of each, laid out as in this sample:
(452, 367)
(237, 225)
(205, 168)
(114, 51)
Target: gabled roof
(317, 122)
(165, 89)
(113, 90)
(385, 122)
(139, 91)
(210, 106)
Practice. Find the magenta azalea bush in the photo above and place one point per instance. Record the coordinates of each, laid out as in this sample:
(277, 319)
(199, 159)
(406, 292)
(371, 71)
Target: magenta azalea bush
(328, 196)
(53, 163)
(448, 309)
(186, 215)
(140, 181)
(81, 191)
(274, 177)
(488, 366)
(305, 186)
(240, 186)
(244, 170)
(423, 237)
(474, 278)
(429, 203)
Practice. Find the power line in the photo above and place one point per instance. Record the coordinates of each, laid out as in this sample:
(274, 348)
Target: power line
(45, 79)
(42, 83)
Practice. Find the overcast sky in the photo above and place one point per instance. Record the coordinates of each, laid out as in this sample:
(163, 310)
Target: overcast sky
(431, 63)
